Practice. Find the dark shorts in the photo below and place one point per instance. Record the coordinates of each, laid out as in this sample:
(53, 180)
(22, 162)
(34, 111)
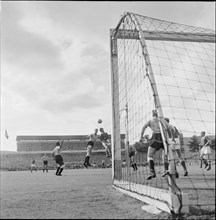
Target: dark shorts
(45, 162)
(156, 141)
(131, 153)
(90, 143)
(59, 160)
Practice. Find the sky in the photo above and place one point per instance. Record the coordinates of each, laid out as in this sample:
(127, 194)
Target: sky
(55, 61)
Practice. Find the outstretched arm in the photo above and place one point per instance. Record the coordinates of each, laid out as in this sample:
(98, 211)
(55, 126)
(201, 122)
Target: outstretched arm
(61, 143)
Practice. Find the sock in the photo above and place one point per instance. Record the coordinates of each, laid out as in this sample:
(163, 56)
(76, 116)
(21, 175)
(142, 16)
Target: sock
(166, 166)
(151, 166)
(60, 171)
(58, 168)
(201, 162)
(135, 165)
(87, 159)
(184, 165)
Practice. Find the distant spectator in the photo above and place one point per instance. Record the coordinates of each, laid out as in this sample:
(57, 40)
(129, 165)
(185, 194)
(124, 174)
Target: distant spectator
(45, 162)
(104, 137)
(33, 165)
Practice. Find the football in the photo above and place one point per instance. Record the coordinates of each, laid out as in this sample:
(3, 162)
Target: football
(99, 121)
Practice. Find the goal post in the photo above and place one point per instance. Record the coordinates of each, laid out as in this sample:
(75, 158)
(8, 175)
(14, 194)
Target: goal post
(135, 94)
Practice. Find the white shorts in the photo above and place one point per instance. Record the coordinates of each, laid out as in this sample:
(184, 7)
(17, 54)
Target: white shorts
(174, 145)
(205, 150)
(33, 166)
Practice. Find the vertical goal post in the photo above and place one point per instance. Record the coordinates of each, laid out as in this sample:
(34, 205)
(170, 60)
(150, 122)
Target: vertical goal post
(172, 200)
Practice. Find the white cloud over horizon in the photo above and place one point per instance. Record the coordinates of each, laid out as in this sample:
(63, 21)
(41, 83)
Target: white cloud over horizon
(55, 63)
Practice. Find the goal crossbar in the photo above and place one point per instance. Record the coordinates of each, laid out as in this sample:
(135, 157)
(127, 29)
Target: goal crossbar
(165, 36)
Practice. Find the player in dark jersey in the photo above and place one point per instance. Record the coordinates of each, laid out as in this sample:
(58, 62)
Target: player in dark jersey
(104, 137)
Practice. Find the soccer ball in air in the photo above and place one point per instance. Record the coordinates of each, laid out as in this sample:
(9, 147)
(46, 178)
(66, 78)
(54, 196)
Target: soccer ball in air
(99, 121)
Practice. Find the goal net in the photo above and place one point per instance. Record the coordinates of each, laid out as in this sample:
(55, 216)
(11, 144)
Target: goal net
(170, 67)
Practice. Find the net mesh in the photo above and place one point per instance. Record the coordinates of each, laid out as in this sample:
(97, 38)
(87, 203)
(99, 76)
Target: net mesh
(184, 74)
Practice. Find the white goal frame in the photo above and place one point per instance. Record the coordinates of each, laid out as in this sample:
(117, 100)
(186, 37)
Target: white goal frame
(166, 200)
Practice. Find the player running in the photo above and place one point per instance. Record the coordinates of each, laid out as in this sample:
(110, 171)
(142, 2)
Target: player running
(156, 142)
(205, 151)
(175, 144)
(56, 154)
(104, 137)
(45, 162)
(92, 139)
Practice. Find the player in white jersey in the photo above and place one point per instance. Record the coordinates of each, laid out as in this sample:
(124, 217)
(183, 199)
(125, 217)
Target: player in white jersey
(92, 139)
(58, 158)
(33, 165)
(175, 143)
(45, 162)
(205, 151)
(104, 137)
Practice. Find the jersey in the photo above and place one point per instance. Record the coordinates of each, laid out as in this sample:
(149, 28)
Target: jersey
(204, 140)
(93, 137)
(154, 125)
(57, 151)
(104, 137)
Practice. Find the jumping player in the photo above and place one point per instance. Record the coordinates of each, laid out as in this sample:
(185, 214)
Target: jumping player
(175, 144)
(45, 162)
(156, 142)
(92, 139)
(205, 150)
(56, 154)
(104, 137)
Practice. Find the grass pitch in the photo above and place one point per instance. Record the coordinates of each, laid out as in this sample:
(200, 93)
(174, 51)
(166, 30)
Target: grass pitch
(78, 193)
(88, 194)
